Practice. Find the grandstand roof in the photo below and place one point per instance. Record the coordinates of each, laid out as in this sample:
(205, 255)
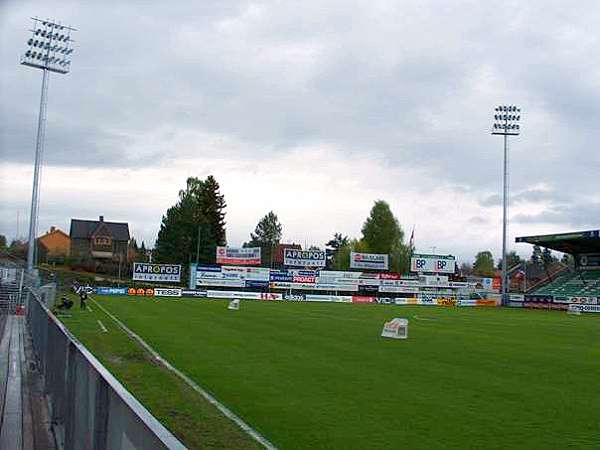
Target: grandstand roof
(576, 242)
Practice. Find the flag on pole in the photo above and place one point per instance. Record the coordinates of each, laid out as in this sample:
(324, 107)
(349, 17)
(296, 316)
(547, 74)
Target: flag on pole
(411, 242)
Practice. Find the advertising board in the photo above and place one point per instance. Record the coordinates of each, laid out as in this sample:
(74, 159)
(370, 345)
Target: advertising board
(589, 261)
(337, 274)
(257, 284)
(374, 261)
(166, 292)
(157, 272)
(141, 292)
(363, 299)
(111, 291)
(281, 275)
(241, 256)
(329, 298)
(244, 295)
(405, 289)
(583, 300)
(303, 258)
(192, 293)
(294, 297)
(432, 263)
(220, 283)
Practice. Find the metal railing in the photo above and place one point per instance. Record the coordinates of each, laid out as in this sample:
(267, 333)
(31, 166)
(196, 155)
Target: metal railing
(13, 278)
(89, 408)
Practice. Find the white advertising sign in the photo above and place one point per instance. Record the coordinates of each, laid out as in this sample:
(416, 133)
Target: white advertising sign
(218, 282)
(395, 329)
(164, 292)
(156, 272)
(329, 298)
(244, 256)
(433, 263)
(374, 261)
(246, 295)
(303, 258)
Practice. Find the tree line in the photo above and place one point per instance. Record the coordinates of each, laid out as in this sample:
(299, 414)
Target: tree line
(484, 261)
(195, 226)
(192, 229)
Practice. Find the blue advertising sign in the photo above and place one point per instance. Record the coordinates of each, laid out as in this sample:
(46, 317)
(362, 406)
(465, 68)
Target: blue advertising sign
(257, 284)
(281, 275)
(111, 291)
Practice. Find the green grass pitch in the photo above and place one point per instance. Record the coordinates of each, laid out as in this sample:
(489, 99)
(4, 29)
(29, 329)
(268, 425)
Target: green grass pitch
(318, 376)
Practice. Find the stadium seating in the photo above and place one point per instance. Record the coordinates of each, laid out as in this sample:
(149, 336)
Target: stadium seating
(573, 284)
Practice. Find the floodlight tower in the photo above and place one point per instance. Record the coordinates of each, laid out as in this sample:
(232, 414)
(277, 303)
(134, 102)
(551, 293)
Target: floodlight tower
(49, 49)
(506, 123)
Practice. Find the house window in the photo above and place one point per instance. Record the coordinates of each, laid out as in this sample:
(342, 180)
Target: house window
(100, 240)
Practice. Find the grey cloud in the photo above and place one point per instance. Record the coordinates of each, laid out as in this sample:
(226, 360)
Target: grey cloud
(478, 220)
(413, 85)
(491, 200)
(583, 214)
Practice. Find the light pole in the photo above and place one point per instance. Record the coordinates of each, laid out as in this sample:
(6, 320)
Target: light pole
(49, 49)
(506, 123)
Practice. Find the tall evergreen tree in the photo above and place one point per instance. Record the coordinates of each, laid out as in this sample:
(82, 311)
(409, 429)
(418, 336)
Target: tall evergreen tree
(2, 242)
(335, 245)
(536, 255)
(512, 258)
(267, 236)
(197, 218)
(547, 257)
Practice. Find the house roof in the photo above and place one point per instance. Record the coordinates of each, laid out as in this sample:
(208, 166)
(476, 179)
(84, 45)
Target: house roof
(84, 229)
(54, 231)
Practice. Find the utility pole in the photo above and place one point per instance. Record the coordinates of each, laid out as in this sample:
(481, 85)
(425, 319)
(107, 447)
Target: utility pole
(198, 243)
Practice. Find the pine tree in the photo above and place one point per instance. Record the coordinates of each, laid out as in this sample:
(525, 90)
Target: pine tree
(198, 216)
(547, 257)
(334, 247)
(267, 236)
(536, 255)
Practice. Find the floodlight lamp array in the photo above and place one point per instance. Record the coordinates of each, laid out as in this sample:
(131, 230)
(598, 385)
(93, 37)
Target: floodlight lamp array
(506, 120)
(49, 46)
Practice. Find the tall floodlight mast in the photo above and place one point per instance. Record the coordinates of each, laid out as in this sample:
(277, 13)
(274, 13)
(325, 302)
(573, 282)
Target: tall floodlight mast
(49, 48)
(506, 123)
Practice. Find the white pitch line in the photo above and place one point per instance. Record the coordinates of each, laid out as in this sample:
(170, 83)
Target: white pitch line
(102, 327)
(209, 397)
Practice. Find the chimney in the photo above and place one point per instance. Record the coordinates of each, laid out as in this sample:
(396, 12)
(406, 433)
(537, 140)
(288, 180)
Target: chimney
(52, 229)
(101, 218)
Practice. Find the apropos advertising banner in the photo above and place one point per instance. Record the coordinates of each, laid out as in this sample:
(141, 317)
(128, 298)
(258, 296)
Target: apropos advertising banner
(156, 272)
(243, 256)
(303, 258)
(375, 261)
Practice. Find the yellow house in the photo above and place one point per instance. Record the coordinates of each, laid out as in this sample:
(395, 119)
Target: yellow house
(53, 246)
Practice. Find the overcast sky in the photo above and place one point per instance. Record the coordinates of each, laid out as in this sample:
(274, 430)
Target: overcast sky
(313, 112)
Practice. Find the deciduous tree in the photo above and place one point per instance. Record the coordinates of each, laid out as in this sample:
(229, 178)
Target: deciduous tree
(484, 264)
